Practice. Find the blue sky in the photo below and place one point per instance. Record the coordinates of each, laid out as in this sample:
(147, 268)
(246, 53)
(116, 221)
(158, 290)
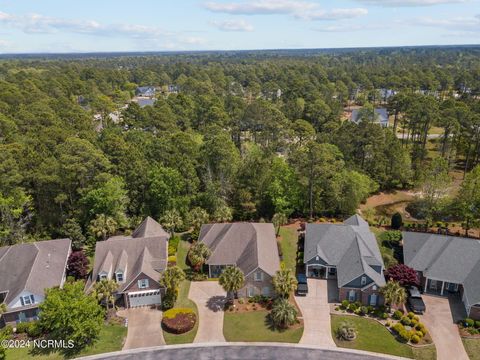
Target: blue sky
(149, 25)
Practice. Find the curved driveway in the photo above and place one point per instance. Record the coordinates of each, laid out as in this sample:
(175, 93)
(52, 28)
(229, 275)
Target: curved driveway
(210, 299)
(144, 327)
(240, 351)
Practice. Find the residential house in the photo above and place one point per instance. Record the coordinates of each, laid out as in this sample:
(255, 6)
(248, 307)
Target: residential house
(142, 102)
(135, 263)
(381, 117)
(386, 94)
(27, 270)
(446, 265)
(349, 253)
(250, 246)
(145, 91)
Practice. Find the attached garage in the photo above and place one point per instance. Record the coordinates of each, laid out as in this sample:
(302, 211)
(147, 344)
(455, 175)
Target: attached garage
(144, 298)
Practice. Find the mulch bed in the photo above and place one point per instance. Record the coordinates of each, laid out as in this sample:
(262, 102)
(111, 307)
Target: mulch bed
(181, 323)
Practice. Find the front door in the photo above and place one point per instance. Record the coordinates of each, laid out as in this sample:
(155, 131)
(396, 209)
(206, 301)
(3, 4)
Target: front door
(373, 299)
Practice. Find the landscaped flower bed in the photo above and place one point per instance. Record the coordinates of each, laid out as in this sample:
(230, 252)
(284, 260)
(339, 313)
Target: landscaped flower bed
(469, 328)
(407, 328)
(254, 303)
(179, 320)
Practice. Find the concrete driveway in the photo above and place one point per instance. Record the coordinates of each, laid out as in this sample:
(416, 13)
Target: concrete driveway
(210, 299)
(439, 321)
(144, 327)
(316, 315)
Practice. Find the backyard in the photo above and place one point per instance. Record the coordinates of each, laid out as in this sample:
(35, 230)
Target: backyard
(111, 338)
(372, 336)
(255, 327)
(288, 243)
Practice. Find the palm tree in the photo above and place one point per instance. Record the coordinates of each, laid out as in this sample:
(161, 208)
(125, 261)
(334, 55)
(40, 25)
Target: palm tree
(393, 293)
(104, 290)
(283, 313)
(171, 278)
(172, 220)
(284, 282)
(102, 226)
(197, 217)
(223, 214)
(232, 279)
(278, 220)
(198, 254)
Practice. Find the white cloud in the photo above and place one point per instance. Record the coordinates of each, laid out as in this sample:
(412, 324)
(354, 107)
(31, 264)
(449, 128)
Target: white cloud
(148, 35)
(232, 25)
(402, 3)
(457, 24)
(299, 9)
(350, 28)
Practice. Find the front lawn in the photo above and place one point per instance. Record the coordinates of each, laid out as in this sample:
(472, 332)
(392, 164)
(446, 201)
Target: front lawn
(111, 338)
(255, 327)
(371, 336)
(288, 243)
(472, 347)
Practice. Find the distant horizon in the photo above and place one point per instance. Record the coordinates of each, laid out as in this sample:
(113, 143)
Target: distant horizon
(153, 52)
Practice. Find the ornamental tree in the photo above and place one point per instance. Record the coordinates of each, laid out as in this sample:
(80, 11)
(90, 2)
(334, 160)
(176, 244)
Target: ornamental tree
(77, 265)
(403, 274)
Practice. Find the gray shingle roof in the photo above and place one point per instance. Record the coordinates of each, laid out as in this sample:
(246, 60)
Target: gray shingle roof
(33, 267)
(247, 245)
(350, 246)
(382, 116)
(144, 252)
(445, 258)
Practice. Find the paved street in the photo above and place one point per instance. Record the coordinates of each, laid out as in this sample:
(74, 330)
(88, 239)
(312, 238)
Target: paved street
(144, 327)
(242, 352)
(439, 321)
(316, 314)
(210, 299)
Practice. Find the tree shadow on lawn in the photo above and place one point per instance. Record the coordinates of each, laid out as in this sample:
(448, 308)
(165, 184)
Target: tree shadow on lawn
(216, 303)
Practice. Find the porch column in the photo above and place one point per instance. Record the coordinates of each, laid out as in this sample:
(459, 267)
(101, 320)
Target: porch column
(306, 270)
(326, 272)
(426, 285)
(443, 286)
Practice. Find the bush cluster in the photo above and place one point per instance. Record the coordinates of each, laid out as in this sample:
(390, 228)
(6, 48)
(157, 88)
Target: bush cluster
(32, 329)
(179, 320)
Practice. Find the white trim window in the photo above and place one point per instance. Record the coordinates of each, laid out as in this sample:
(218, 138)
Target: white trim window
(102, 276)
(119, 276)
(352, 295)
(27, 300)
(363, 280)
(258, 276)
(142, 283)
(250, 291)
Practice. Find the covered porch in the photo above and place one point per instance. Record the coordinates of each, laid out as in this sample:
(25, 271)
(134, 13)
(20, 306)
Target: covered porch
(439, 287)
(320, 271)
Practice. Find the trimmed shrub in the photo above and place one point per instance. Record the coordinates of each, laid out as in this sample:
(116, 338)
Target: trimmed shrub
(352, 307)
(384, 316)
(34, 330)
(172, 259)
(469, 322)
(363, 310)
(477, 324)
(171, 250)
(411, 315)
(168, 301)
(419, 334)
(405, 335)
(22, 327)
(406, 321)
(398, 327)
(178, 320)
(396, 221)
(173, 242)
(415, 339)
(413, 322)
(345, 304)
(7, 331)
(397, 315)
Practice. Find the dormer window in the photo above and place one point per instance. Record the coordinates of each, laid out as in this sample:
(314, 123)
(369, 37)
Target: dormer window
(27, 300)
(143, 283)
(102, 276)
(258, 276)
(119, 276)
(363, 281)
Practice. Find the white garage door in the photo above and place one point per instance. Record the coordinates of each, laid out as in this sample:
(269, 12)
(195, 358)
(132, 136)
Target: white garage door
(144, 298)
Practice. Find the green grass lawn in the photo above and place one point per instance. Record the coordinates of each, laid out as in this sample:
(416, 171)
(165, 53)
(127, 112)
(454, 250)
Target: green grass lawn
(254, 327)
(288, 244)
(110, 339)
(371, 336)
(472, 346)
(183, 301)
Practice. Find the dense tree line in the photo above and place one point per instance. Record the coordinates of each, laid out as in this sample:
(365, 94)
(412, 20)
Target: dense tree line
(229, 145)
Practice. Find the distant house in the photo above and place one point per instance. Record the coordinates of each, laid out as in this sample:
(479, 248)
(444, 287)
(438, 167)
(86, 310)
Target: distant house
(349, 253)
(250, 246)
(172, 89)
(145, 91)
(26, 271)
(381, 116)
(446, 265)
(386, 94)
(142, 102)
(135, 263)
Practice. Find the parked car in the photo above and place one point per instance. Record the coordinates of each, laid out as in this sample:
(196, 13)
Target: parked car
(302, 287)
(415, 301)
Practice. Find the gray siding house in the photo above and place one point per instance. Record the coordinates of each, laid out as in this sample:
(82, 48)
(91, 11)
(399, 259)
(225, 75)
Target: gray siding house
(381, 117)
(250, 246)
(349, 253)
(446, 265)
(26, 271)
(135, 263)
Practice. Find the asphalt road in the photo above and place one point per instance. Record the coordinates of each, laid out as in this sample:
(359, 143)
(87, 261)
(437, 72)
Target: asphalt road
(238, 352)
